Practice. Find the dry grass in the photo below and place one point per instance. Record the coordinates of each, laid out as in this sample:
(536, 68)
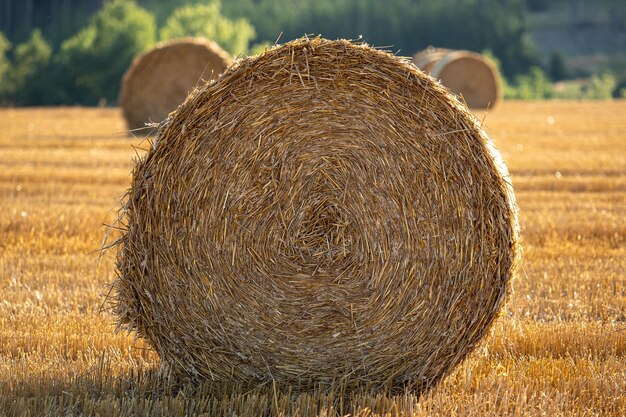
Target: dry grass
(560, 349)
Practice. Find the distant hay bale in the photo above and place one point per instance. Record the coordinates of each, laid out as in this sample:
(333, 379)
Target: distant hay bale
(159, 80)
(425, 59)
(322, 212)
(465, 73)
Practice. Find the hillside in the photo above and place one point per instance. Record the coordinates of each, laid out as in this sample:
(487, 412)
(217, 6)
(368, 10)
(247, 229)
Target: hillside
(591, 34)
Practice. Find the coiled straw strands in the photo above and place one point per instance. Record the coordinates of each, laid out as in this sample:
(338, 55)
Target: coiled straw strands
(323, 212)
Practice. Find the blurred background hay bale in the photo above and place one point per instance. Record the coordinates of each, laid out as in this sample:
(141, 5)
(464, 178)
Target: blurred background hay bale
(465, 73)
(323, 212)
(425, 59)
(158, 81)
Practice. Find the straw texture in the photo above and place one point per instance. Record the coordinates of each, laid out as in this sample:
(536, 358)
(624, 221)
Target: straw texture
(465, 73)
(323, 212)
(159, 80)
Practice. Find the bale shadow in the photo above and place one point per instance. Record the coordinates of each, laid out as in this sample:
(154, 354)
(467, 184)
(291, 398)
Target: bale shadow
(153, 392)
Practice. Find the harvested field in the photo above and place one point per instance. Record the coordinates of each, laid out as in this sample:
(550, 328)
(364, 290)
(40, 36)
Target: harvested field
(559, 349)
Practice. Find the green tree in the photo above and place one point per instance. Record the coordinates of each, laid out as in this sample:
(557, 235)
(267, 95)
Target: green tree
(28, 72)
(558, 68)
(95, 59)
(207, 20)
(532, 86)
(620, 90)
(403, 25)
(5, 66)
(600, 87)
(498, 25)
(537, 5)
(259, 48)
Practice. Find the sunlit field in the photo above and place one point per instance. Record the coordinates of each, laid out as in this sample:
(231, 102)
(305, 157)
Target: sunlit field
(558, 349)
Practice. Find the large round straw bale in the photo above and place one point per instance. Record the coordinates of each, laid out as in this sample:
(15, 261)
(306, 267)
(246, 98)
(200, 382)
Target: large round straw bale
(465, 73)
(159, 80)
(322, 212)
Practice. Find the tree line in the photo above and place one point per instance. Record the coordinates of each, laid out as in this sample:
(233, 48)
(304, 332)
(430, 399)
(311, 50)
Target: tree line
(75, 52)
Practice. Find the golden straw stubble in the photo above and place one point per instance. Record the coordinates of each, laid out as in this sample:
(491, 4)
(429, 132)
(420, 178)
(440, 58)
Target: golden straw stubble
(322, 212)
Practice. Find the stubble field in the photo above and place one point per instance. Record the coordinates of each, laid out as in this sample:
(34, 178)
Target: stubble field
(558, 349)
